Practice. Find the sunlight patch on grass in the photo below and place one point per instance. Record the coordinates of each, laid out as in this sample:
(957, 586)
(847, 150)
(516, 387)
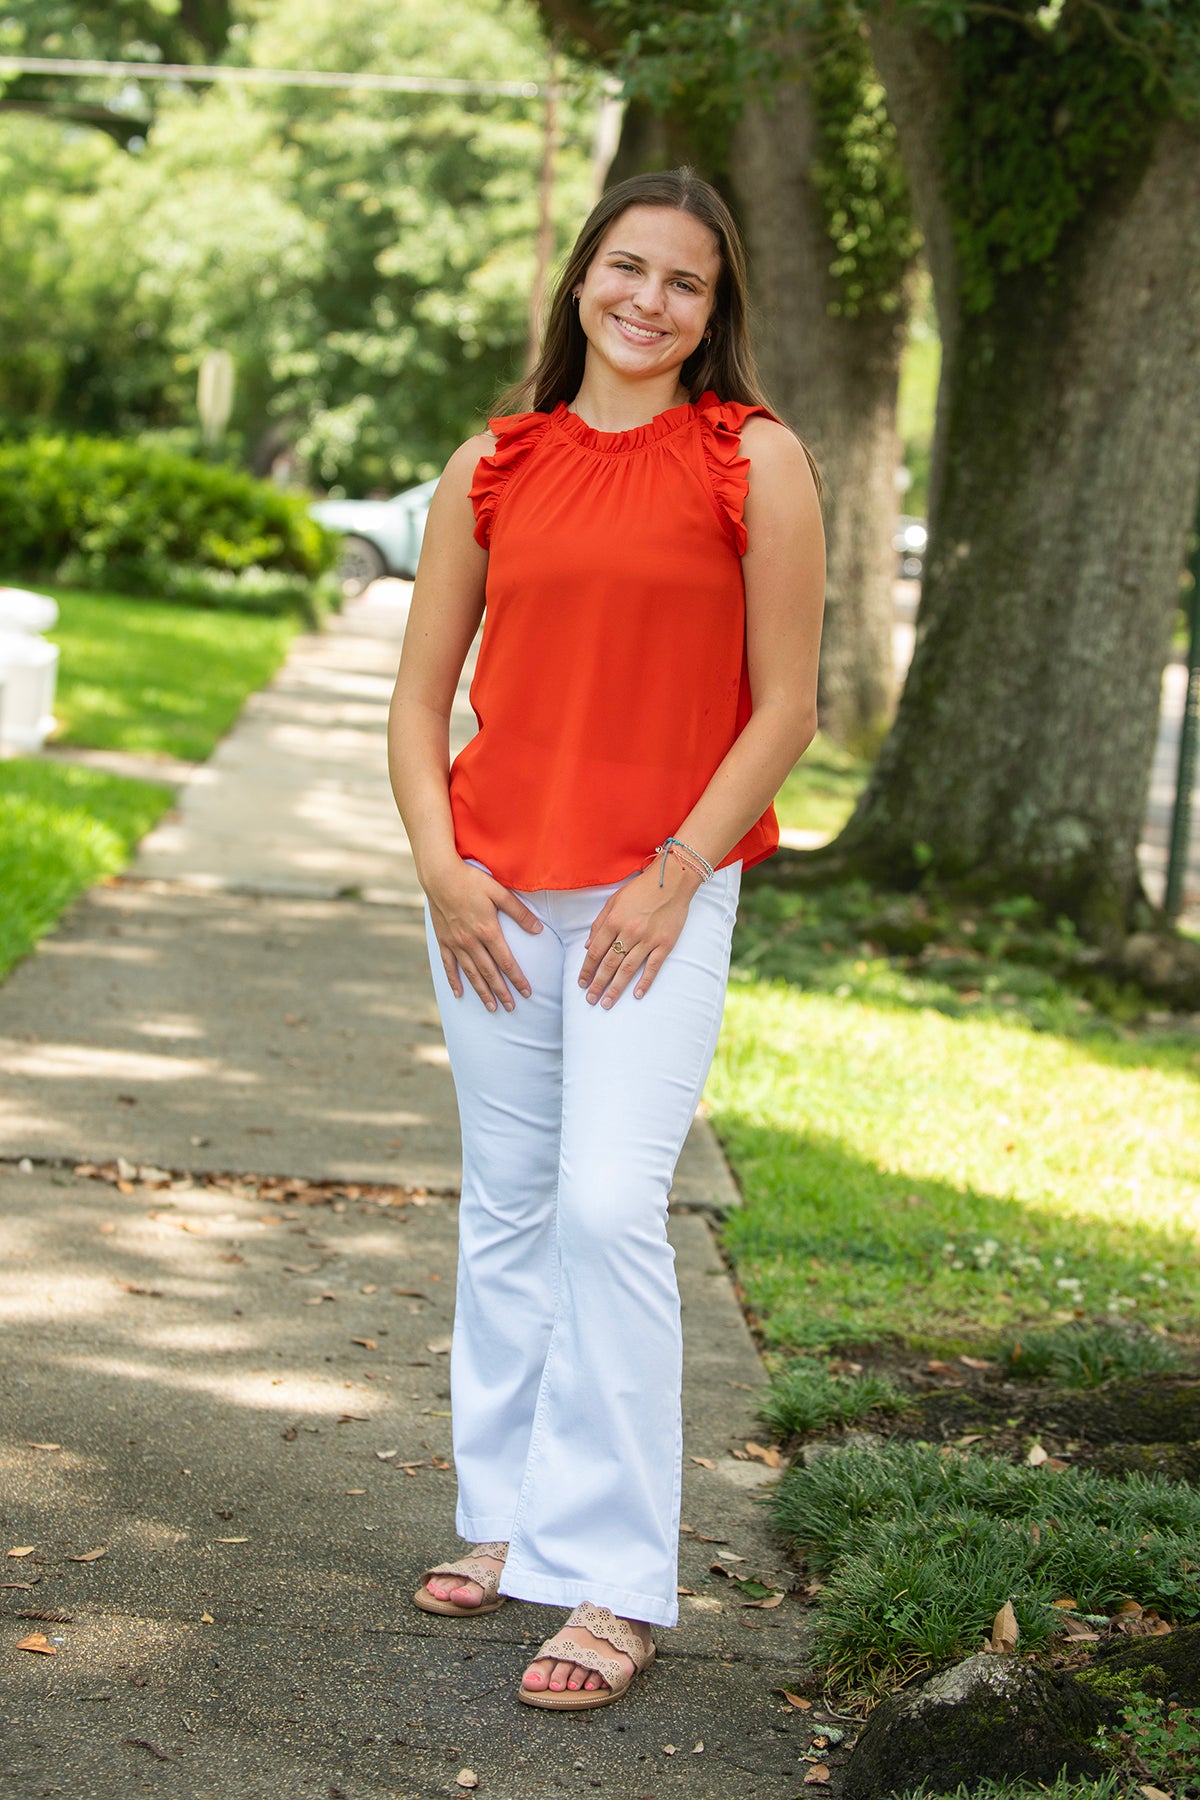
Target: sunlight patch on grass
(909, 1172)
(62, 828)
(149, 677)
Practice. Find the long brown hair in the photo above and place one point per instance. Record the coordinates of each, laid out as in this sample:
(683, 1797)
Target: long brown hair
(724, 362)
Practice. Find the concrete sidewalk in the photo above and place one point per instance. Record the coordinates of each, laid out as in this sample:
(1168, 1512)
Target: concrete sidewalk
(237, 1389)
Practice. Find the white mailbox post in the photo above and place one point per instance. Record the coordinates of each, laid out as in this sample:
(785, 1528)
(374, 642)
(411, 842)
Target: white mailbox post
(28, 674)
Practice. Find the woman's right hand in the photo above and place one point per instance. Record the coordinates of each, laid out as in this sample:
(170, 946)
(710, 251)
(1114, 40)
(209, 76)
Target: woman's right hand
(465, 905)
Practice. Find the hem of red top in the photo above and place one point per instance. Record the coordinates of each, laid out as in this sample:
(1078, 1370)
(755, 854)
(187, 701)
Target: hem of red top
(523, 885)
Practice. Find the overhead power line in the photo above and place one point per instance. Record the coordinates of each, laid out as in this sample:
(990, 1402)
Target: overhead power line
(313, 78)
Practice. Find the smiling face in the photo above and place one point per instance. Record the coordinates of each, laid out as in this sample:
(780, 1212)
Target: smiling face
(645, 301)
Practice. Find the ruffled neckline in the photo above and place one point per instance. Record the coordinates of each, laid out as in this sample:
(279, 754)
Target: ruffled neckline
(660, 426)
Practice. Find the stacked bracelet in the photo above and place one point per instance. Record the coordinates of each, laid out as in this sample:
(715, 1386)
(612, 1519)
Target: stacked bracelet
(686, 856)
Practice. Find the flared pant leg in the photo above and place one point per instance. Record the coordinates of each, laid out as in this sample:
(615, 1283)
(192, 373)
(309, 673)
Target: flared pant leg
(567, 1360)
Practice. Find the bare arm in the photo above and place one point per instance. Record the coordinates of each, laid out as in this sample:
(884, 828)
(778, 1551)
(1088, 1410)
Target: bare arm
(784, 572)
(447, 606)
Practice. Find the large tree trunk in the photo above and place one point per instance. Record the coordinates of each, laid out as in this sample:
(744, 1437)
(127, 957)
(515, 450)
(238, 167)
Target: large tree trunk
(835, 381)
(1064, 484)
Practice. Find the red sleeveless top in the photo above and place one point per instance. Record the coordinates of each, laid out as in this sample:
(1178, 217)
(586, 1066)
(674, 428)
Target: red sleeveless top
(612, 674)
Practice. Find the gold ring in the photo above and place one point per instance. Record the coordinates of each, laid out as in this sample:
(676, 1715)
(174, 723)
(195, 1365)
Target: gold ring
(619, 947)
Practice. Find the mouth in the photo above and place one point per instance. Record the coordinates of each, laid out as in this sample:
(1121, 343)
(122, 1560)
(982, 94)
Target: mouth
(638, 334)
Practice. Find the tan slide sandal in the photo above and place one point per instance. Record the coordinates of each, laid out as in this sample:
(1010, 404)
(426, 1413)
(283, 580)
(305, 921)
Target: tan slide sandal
(470, 1568)
(602, 1624)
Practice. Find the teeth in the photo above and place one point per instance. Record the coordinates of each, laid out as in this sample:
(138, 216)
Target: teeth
(648, 337)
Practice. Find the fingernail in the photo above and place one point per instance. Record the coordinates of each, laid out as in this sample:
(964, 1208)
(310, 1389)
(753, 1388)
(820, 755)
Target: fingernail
(606, 1003)
(591, 999)
(525, 993)
(582, 982)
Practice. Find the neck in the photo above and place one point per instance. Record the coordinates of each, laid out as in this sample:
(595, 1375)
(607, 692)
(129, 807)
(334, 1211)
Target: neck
(607, 403)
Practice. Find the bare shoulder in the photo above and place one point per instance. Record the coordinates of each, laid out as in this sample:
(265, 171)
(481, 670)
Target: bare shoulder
(779, 462)
(459, 472)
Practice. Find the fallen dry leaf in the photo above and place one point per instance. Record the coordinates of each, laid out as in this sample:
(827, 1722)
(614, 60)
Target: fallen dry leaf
(410, 1293)
(386, 1455)
(43, 1446)
(765, 1453)
(89, 1556)
(770, 1601)
(1035, 1532)
(1079, 1633)
(975, 1362)
(973, 1437)
(1070, 1605)
(1128, 1609)
(370, 1288)
(817, 1776)
(350, 1492)
(243, 1540)
(669, 1749)
(706, 1603)
(439, 1347)
(25, 1586)
(940, 1368)
(1005, 1630)
(730, 1556)
(1153, 1793)
(466, 1778)
(206, 1618)
(37, 1640)
(1037, 1456)
(740, 1454)
(796, 1700)
(367, 1343)
(702, 1538)
(683, 1590)
(356, 1418)
(28, 1550)
(703, 1462)
(1056, 1465)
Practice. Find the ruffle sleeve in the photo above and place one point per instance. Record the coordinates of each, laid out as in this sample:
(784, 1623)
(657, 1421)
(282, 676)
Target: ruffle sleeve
(728, 470)
(516, 437)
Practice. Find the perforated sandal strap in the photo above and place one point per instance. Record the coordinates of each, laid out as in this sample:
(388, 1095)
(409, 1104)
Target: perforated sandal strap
(618, 1632)
(472, 1568)
(561, 1648)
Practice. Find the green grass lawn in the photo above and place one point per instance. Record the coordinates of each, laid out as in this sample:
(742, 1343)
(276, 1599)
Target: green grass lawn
(62, 828)
(946, 1145)
(145, 676)
(134, 675)
(820, 792)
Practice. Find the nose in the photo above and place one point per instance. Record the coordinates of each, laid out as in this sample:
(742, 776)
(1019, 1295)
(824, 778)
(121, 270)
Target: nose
(651, 294)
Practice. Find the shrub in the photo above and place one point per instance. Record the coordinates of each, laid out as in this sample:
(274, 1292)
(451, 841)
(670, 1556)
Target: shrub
(1086, 1355)
(96, 512)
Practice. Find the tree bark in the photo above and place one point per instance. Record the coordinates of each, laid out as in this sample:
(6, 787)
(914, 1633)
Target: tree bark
(835, 381)
(1064, 485)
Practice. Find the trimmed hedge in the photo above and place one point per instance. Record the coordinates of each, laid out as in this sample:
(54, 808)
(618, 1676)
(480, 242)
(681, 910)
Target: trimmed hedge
(97, 512)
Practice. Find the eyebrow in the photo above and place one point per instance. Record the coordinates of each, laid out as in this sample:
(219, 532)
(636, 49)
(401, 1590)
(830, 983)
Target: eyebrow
(633, 256)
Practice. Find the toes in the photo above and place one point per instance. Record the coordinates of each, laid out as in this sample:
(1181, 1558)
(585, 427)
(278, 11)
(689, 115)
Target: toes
(594, 1681)
(536, 1675)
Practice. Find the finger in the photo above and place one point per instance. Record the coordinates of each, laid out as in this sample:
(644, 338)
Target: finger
(608, 970)
(450, 964)
(517, 909)
(508, 967)
(629, 967)
(654, 963)
(489, 970)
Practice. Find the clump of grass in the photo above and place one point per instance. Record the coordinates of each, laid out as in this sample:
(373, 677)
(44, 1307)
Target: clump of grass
(1085, 1355)
(805, 1397)
(62, 828)
(920, 1550)
(1063, 1787)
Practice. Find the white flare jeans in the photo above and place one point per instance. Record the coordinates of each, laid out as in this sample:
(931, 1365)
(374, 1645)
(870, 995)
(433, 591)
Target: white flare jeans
(566, 1361)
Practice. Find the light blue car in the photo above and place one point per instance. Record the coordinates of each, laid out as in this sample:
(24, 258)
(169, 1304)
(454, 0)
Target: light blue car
(380, 537)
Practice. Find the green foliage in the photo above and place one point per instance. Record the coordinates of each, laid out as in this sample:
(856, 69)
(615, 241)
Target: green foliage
(805, 1397)
(857, 171)
(820, 792)
(1085, 1355)
(62, 828)
(367, 258)
(920, 1550)
(160, 680)
(1159, 1740)
(95, 512)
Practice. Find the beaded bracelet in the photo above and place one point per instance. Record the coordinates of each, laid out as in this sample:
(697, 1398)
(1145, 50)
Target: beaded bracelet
(687, 857)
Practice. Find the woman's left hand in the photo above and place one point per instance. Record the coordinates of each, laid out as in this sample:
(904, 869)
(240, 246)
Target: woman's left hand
(636, 930)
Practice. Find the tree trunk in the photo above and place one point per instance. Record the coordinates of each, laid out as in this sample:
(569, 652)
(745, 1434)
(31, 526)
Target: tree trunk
(1065, 482)
(835, 380)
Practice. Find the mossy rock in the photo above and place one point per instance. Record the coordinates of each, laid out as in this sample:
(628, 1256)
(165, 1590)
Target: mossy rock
(989, 1718)
(1168, 1668)
(1177, 1462)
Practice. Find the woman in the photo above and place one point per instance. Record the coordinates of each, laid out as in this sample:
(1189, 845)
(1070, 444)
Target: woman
(646, 680)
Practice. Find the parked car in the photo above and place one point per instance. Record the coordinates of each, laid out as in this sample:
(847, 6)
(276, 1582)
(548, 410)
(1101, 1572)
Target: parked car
(909, 544)
(381, 537)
